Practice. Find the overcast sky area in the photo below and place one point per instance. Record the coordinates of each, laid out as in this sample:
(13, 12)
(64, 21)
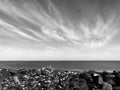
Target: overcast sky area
(59, 29)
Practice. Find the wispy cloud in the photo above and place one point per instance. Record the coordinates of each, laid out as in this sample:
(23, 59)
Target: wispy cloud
(101, 34)
(33, 25)
(49, 25)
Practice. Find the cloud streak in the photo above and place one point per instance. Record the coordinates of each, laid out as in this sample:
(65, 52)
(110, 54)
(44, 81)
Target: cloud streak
(33, 22)
(42, 29)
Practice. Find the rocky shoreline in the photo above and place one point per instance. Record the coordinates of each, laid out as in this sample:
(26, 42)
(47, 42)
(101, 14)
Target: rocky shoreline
(48, 78)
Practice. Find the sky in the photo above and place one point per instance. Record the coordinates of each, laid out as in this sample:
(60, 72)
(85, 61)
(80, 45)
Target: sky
(59, 29)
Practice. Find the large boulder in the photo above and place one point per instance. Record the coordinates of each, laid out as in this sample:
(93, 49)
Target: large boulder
(107, 86)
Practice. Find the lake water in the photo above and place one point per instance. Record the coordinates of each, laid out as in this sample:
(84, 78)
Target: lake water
(67, 65)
